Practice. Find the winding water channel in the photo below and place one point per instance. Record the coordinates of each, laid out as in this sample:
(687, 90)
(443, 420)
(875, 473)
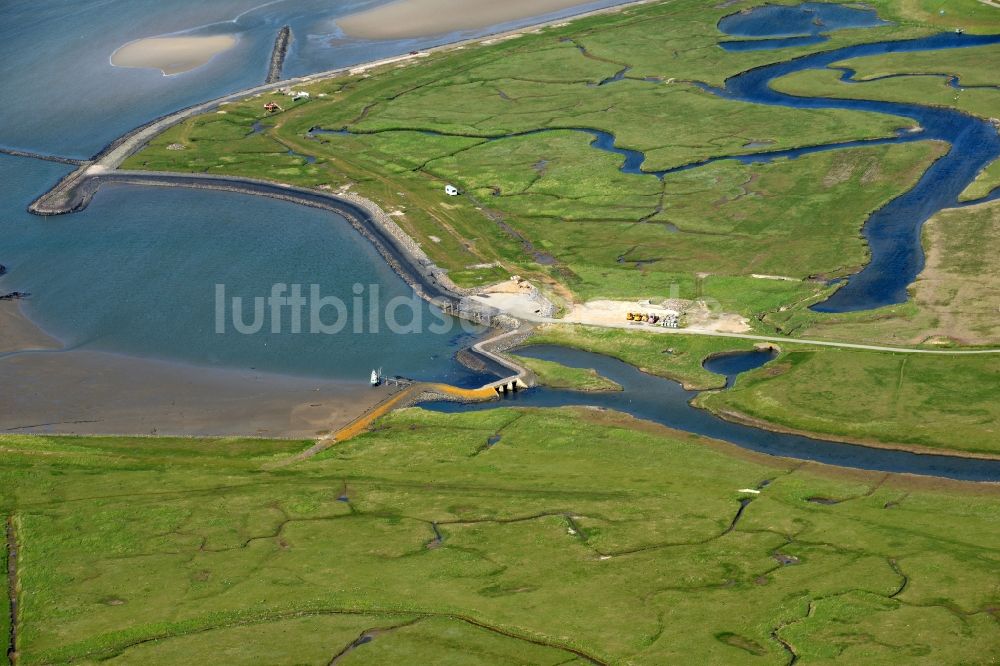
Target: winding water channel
(892, 232)
(668, 403)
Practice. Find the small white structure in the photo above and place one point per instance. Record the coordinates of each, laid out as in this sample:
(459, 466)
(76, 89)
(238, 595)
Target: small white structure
(451, 190)
(376, 378)
(672, 319)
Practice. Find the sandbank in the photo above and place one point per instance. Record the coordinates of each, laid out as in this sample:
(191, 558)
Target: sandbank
(408, 19)
(172, 55)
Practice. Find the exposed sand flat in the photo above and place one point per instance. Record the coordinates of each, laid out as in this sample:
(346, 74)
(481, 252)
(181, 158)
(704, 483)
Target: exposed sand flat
(407, 19)
(87, 392)
(172, 55)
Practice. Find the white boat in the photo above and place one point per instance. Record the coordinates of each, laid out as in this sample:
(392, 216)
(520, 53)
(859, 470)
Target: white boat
(376, 380)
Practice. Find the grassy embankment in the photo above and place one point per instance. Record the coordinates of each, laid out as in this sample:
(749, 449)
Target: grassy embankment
(923, 78)
(909, 400)
(987, 181)
(570, 531)
(707, 230)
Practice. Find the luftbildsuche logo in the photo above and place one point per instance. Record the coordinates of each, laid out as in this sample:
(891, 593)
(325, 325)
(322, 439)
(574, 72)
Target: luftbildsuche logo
(298, 308)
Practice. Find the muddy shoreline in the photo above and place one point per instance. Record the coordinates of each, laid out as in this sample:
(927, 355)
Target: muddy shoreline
(19, 333)
(85, 392)
(82, 392)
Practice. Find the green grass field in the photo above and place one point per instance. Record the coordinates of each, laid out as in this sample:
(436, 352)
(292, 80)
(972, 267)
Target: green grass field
(980, 102)
(972, 65)
(914, 77)
(939, 402)
(987, 181)
(556, 375)
(675, 357)
(571, 535)
(5, 610)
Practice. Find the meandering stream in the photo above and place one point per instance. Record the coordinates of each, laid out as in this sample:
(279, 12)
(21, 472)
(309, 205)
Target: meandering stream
(892, 232)
(666, 402)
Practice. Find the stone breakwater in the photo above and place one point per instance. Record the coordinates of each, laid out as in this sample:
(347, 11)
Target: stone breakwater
(405, 241)
(41, 156)
(281, 43)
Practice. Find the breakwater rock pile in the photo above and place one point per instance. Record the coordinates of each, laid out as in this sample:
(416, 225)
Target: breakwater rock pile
(281, 43)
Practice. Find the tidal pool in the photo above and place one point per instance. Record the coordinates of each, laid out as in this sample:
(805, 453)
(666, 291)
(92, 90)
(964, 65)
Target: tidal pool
(777, 26)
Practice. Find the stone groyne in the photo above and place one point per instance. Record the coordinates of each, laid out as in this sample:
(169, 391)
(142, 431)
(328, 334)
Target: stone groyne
(40, 156)
(281, 43)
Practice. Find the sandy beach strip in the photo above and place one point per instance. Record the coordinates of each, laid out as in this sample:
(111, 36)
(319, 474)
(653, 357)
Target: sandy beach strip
(90, 392)
(172, 55)
(408, 19)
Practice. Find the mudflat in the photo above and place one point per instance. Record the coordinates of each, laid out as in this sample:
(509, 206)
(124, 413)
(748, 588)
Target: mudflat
(405, 19)
(172, 55)
(17, 332)
(90, 392)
